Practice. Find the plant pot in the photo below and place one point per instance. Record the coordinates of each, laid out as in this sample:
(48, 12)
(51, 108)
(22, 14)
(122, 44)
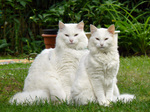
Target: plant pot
(88, 34)
(49, 36)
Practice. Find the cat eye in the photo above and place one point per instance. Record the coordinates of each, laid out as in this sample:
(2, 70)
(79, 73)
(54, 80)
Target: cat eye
(97, 38)
(76, 35)
(67, 35)
(106, 38)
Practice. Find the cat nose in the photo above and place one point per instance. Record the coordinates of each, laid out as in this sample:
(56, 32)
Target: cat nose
(101, 45)
(71, 41)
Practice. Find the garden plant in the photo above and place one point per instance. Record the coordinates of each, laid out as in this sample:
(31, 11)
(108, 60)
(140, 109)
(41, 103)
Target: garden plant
(22, 22)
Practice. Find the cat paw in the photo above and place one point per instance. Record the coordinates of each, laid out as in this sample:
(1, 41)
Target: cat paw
(104, 103)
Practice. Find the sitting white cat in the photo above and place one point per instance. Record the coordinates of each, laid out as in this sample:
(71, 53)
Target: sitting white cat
(52, 73)
(96, 76)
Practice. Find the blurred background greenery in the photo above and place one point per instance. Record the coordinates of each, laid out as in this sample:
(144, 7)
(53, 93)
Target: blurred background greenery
(22, 21)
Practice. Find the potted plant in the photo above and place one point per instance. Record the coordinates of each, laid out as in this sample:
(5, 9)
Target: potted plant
(49, 36)
(49, 26)
(49, 31)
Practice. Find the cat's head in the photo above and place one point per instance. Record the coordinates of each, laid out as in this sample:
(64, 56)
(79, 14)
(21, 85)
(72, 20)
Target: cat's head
(71, 36)
(102, 40)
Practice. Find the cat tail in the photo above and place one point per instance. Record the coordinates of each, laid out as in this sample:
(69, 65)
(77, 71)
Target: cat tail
(29, 97)
(125, 98)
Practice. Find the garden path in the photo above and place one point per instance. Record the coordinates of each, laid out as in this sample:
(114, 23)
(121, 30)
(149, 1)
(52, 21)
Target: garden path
(8, 61)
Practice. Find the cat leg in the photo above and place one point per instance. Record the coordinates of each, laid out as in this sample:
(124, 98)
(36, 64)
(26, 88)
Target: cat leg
(81, 91)
(100, 94)
(56, 90)
(82, 96)
(99, 91)
(116, 90)
(109, 92)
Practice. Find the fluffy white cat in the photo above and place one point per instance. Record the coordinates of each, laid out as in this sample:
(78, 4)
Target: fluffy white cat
(52, 73)
(96, 76)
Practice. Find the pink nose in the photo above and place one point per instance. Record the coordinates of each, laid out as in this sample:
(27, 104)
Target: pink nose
(71, 41)
(101, 45)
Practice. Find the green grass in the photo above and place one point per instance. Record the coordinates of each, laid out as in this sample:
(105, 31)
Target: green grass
(23, 56)
(133, 78)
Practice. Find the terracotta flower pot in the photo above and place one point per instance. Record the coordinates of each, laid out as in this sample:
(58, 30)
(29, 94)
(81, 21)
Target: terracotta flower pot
(49, 36)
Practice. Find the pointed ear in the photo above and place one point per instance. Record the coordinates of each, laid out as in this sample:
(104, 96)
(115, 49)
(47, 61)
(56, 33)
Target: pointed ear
(92, 28)
(80, 25)
(61, 25)
(111, 29)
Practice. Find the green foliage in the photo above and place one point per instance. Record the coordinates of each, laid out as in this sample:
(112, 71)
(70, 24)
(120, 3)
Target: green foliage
(3, 44)
(14, 30)
(26, 18)
(17, 27)
(135, 37)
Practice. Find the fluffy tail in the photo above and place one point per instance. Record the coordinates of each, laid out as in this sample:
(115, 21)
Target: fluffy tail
(29, 97)
(124, 98)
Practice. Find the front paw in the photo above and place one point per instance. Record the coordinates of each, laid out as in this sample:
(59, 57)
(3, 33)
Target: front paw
(104, 103)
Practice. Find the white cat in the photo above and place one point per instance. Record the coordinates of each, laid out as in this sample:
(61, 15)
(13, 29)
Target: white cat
(52, 72)
(96, 76)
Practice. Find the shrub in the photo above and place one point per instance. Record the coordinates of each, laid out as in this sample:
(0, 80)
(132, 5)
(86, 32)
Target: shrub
(26, 19)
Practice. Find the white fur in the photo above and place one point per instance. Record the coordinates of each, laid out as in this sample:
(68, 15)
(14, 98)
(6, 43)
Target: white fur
(124, 98)
(96, 76)
(30, 97)
(52, 72)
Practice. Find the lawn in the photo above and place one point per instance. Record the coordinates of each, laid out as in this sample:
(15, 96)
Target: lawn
(133, 78)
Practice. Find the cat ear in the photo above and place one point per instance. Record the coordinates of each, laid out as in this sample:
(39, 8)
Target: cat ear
(61, 25)
(111, 29)
(81, 25)
(92, 28)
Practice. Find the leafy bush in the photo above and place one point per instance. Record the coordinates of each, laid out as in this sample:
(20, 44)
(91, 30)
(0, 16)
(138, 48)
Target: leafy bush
(27, 18)
(135, 38)
(4, 45)
(19, 27)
